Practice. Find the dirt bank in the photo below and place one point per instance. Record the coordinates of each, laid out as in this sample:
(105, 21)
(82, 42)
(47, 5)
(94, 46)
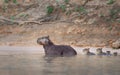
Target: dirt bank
(94, 23)
(60, 33)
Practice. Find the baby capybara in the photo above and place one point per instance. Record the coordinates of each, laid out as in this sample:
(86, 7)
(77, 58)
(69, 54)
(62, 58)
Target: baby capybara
(100, 52)
(86, 51)
(55, 50)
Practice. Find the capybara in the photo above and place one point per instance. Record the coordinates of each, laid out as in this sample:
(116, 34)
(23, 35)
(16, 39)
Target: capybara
(55, 50)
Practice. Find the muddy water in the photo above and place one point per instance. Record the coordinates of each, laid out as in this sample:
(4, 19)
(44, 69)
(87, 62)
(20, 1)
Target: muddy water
(24, 63)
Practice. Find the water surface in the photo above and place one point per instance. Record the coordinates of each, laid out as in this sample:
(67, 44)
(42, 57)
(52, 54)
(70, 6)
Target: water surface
(37, 64)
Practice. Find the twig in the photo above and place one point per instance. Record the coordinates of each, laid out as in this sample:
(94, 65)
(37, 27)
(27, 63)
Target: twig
(18, 22)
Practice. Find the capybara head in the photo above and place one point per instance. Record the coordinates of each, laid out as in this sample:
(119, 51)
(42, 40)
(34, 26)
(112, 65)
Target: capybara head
(99, 50)
(43, 40)
(115, 53)
(108, 52)
(86, 50)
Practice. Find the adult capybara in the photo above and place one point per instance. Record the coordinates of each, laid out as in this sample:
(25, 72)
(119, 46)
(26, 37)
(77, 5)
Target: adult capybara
(55, 50)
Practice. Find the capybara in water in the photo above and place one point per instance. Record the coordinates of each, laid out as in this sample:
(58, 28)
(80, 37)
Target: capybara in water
(86, 51)
(115, 54)
(55, 50)
(100, 52)
(108, 53)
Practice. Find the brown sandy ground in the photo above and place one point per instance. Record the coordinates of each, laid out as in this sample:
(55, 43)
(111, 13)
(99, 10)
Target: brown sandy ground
(60, 33)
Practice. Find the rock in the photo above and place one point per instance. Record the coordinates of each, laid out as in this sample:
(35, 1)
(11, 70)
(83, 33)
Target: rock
(116, 44)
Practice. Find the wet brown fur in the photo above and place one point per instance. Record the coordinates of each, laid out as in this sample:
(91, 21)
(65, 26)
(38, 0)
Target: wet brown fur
(55, 50)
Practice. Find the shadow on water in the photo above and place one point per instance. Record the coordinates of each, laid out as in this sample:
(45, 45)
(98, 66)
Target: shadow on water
(49, 59)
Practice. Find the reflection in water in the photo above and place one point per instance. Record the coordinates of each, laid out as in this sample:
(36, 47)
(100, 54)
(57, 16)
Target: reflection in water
(49, 59)
(78, 65)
